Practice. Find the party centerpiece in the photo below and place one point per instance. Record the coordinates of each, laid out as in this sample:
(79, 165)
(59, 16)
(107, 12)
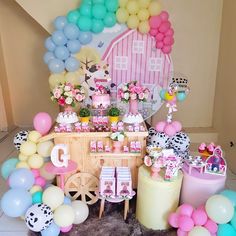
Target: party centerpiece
(114, 113)
(118, 139)
(133, 93)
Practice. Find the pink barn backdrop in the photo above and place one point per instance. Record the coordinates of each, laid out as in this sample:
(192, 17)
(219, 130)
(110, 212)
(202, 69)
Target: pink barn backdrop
(134, 56)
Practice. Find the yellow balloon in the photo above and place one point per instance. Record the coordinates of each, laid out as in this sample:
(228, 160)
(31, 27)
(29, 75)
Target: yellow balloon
(28, 148)
(143, 14)
(60, 213)
(168, 96)
(144, 27)
(122, 15)
(122, 3)
(154, 8)
(35, 161)
(23, 157)
(56, 79)
(72, 77)
(144, 3)
(36, 188)
(34, 136)
(44, 149)
(22, 164)
(133, 22)
(132, 7)
(46, 175)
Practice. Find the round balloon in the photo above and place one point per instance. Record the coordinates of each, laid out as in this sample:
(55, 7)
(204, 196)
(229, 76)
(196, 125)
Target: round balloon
(99, 11)
(122, 15)
(73, 46)
(112, 5)
(84, 23)
(52, 230)
(38, 217)
(199, 230)
(59, 38)
(8, 167)
(62, 52)
(73, 16)
(15, 202)
(61, 212)
(85, 38)
(133, 22)
(22, 164)
(49, 44)
(35, 189)
(48, 56)
(72, 64)
(231, 195)
(132, 7)
(35, 161)
(28, 148)
(98, 26)
(154, 8)
(20, 138)
(42, 122)
(34, 136)
(44, 148)
(45, 174)
(233, 220)
(226, 230)
(37, 197)
(110, 19)
(81, 211)
(56, 66)
(60, 22)
(71, 31)
(85, 10)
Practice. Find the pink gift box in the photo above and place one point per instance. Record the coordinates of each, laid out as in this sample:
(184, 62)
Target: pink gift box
(137, 146)
(93, 146)
(100, 146)
(124, 186)
(107, 186)
(132, 146)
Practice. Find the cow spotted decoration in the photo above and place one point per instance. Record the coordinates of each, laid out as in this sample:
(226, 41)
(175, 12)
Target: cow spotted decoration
(38, 217)
(20, 138)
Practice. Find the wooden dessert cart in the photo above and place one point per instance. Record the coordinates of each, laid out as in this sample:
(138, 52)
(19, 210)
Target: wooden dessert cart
(83, 183)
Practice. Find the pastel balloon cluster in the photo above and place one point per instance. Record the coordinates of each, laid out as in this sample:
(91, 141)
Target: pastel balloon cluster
(169, 129)
(160, 28)
(94, 15)
(179, 96)
(135, 13)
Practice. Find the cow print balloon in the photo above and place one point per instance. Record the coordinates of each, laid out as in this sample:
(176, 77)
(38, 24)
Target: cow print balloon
(20, 138)
(38, 217)
(180, 142)
(159, 139)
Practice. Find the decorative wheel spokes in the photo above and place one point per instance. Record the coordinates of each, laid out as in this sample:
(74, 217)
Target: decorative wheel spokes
(82, 186)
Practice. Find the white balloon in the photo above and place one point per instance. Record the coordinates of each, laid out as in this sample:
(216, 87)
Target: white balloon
(199, 231)
(64, 216)
(81, 211)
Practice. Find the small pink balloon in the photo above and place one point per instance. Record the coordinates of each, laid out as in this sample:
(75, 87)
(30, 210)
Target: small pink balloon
(169, 32)
(177, 125)
(35, 172)
(202, 207)
(199, 217)
(164, 15)
(160, 126)
(153, 32)
(173, 220)
(185, 209)
(169, 130)
(167, 49)
(159, 45)
(164, 26)
(40, 181)
(168, 40)
(181, 233)
(159, 37)
(155, 22)
(42, 122)
(211, 226)
(185, 223)
(66, 229)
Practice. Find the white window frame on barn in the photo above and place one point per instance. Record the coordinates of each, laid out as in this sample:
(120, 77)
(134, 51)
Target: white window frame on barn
(155, 64)
(138, 46)
(121, 63)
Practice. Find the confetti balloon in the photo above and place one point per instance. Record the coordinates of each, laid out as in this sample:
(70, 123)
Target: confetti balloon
(20, 138)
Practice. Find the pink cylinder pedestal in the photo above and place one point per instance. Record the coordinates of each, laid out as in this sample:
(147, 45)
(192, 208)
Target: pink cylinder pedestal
(133, 107)
(197, 187)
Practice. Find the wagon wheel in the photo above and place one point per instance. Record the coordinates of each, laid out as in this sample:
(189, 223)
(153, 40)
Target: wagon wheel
(82, 186)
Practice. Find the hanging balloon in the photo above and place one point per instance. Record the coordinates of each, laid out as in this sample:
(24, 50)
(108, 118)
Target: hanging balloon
(144, 3)
(73, 16)
(143, 14)
(28, 148)
(123, 3)
(37, 197)
(144, 27)
(60, 22)
(35, 161)
(60, 212)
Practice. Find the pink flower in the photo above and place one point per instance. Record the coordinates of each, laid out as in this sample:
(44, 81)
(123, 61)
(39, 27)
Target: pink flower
(61, 101)
(138, 89)
(133, 96)
(141, 96)
(79, 97)
(120, 93)
(57, 93)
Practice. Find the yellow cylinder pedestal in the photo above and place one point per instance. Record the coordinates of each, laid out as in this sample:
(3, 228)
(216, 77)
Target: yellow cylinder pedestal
(156, 199)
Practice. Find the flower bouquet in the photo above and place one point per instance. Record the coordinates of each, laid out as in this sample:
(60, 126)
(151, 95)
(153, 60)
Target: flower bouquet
(118, 139)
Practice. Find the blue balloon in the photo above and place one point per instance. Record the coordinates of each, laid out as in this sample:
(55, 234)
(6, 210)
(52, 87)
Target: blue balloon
(48, 56)
(60, 22)
(226, 230)
(73, 46)
(67, 201)
(231, 195)
(181, 96)
(21, 178)
(52, 230)
(72, 64)
(49, 44)
(162, 94)
(85, 37)
(56, 66)
(8, 167)
(59, 38)
(62, 53)
(15, 202)
(71, 31)
(233, 220)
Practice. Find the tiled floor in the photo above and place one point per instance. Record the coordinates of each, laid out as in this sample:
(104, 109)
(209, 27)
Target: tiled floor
(16, 227)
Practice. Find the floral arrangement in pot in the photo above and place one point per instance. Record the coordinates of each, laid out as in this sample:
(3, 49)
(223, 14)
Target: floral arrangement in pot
(67, 95)
(118, 140)
(84, 114)
(113, 114)
(133, 93)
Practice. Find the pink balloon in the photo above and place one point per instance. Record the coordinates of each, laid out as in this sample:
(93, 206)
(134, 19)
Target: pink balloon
(169, 130)
(173, 220)
(66, 229)
(42, 122)
(202, 207)
(181, 233)
(167, 49)
(40, 181)
(164, 15)
(153, 32)
(169, 32)
(160, 37)
(160, 126)
(159, 45)
(164, 26)
(211, 226)
(35, 172)
(185, 223)
(168, 40)
(155, 21)
(199, 217)
(185, 209)
(177, 125)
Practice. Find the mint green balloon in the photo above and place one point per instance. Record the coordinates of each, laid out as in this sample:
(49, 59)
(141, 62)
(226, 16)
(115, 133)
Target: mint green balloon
(99, 11)
(8, 167)
(112, 6)
(110, 19)
(37, 197)
(87, 2)
(73, 16)
(98, 26)
(85, 10)
(84, 23)
(99, 1)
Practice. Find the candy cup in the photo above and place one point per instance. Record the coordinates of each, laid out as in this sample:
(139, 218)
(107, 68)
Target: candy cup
(181, 233)
(173, 220)
(155, 22)
(177, 125)
(169, 130)
(160, 126)
(164, 15)
(185, 223)
(211, 226)
(166, 49)
(153, 32)
(66, 229)
(199, 217)
(185, 209)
